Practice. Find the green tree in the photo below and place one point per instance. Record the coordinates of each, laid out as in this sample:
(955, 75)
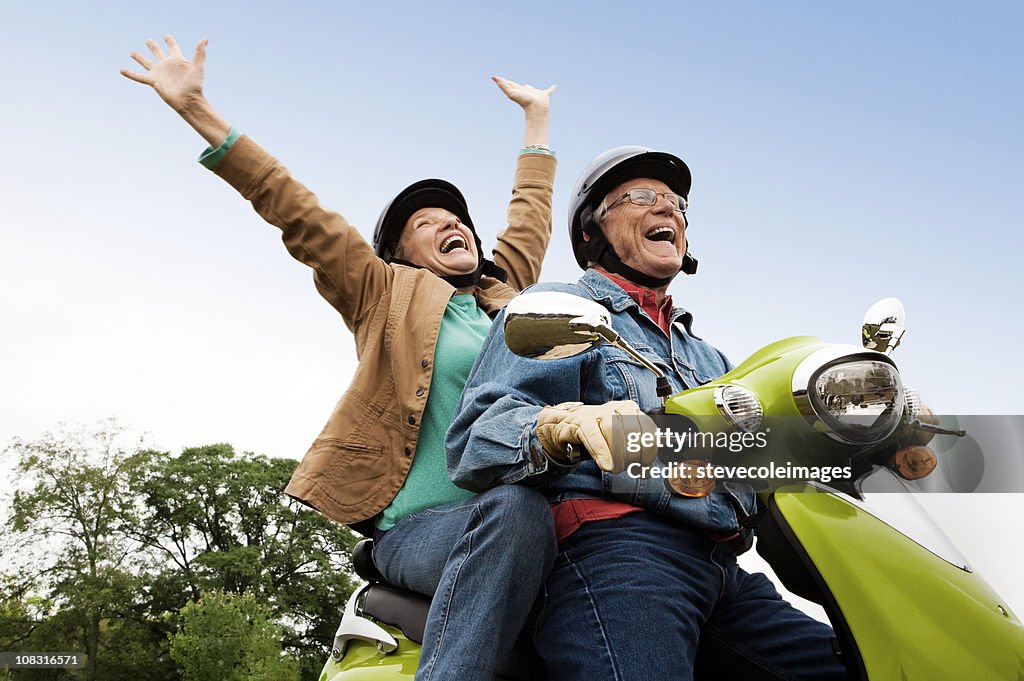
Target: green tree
(230, 637)
(73, 499)
(109, 541)
(222, 522)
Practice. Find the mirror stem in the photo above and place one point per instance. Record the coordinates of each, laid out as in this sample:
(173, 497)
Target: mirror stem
(663, 388)
(918, 424)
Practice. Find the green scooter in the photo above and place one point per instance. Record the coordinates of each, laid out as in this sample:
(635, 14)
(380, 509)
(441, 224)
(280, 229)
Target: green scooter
(902, 599)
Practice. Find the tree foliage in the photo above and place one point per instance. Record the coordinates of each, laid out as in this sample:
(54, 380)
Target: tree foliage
(230, 637)
(223, 523)
(107, 542)
(68, 512)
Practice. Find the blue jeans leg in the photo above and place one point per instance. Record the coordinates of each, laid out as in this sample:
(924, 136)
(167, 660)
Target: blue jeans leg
(483, 560)
(639, 597)
(754, 634)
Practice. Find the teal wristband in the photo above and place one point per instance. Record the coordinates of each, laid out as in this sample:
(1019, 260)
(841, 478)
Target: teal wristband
(536, 149)
(211, 157)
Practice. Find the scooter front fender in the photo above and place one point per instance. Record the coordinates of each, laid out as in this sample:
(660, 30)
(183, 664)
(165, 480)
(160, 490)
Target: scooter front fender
(913, 615)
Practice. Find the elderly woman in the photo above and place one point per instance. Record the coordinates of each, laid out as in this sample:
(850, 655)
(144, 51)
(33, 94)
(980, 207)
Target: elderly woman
(420, 303)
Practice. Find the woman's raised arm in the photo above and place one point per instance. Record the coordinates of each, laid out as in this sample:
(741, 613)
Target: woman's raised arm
(522, 244)
(346, 271)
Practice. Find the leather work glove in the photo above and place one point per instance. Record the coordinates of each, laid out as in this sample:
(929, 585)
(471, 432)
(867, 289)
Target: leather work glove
(602, 429)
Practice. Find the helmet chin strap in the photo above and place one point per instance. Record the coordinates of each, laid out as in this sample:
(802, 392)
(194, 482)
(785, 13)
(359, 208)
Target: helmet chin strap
(484, 268)
(609, 259)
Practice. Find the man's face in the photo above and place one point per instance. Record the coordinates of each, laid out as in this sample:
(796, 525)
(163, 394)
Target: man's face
(436, 239)
(650, 239)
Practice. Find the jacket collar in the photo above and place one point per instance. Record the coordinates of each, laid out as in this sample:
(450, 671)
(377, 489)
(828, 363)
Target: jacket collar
(605, 291)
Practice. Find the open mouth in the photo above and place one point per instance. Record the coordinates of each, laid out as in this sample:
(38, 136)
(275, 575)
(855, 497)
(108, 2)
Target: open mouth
(453, 242)
(661, 234)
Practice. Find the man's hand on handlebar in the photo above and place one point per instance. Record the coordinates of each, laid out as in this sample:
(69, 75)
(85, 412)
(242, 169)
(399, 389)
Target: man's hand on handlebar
(602, 429)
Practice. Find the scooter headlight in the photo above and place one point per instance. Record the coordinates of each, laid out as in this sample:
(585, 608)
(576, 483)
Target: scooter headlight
(861, 401)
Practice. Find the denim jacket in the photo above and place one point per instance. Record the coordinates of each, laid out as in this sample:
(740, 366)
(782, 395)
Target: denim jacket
(493, 438)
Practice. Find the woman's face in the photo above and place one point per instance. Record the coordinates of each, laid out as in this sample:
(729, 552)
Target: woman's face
(437, 240)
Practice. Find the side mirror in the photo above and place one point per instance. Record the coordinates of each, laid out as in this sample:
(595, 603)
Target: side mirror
(553, 325)
(884, 325)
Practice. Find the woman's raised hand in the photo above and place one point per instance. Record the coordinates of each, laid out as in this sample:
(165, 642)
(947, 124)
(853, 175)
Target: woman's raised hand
(526, 96)
(178, 81)
(536, 104)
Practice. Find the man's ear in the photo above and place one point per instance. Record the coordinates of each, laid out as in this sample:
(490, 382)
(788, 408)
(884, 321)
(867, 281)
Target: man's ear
(586, 235)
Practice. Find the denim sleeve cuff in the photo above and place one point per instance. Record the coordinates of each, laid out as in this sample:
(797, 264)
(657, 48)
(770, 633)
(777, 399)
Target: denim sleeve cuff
(533, 454)
(537, 462)
(211, 157)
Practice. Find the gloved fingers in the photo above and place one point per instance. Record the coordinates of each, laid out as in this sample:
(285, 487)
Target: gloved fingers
(553, 438)
(623, 407)
(623, 434)
(556, 413)
(604, 430)
(558, 438)
(591, 436)
(645, 424)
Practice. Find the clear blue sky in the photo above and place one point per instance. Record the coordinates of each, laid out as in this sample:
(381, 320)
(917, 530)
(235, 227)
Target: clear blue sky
(841, 153)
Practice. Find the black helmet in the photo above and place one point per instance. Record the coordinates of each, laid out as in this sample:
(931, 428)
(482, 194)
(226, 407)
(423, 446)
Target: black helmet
(431, 193)
(601, 175)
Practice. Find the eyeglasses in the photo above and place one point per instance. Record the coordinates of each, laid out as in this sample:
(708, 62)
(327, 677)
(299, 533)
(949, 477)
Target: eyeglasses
(641, 196)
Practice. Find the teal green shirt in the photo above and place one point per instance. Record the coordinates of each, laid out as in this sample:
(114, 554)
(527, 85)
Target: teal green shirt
(463, 330)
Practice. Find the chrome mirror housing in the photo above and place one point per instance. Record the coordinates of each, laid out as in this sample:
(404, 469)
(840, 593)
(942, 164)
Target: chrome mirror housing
(884, 325)
(553, 325)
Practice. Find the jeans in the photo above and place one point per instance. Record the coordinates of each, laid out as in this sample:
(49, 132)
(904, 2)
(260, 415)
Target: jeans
(640, 597)
(483, 560)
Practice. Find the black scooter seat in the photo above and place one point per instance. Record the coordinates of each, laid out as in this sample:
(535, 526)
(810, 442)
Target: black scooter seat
(407, 611)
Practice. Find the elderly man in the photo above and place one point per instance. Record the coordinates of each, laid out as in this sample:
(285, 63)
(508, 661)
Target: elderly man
(646, 584)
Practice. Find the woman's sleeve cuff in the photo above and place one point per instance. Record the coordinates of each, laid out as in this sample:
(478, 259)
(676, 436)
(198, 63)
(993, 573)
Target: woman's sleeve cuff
(537, 149)
(211, 157)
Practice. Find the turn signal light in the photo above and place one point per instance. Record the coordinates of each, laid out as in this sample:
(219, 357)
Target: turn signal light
(915, 462)
(688, 484)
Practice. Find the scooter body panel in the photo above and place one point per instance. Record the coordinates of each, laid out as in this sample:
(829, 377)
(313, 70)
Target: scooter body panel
(913, 615)
(362, 661)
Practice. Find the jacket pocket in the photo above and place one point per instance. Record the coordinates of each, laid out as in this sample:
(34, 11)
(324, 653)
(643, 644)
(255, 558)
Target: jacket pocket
(355, 471)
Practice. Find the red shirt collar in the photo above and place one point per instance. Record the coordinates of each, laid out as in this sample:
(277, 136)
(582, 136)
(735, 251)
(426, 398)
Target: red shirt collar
(645, 298)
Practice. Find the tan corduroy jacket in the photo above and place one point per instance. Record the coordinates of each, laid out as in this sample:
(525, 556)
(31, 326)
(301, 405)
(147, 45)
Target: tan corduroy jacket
(360, 460)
